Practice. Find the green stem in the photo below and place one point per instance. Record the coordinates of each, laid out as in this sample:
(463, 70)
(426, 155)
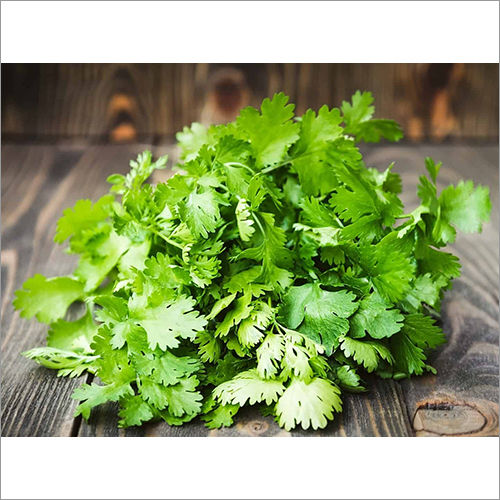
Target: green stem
(286, 162)
(256, 219)
(168, 240)
(339, 221)
(238, 164)
(275, 167)
(280, 327)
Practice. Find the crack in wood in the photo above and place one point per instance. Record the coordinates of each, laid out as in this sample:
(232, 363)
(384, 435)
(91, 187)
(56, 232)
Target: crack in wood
(447, 416)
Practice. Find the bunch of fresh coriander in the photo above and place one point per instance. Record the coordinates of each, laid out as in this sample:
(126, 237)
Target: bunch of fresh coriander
(273, 268)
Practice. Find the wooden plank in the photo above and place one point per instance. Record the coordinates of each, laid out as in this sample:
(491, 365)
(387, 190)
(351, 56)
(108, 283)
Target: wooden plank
(150, 102)
(34, 402)
(462, 399)
(38, 182)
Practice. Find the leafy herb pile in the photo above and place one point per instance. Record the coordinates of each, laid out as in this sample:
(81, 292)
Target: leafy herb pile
(276, 268)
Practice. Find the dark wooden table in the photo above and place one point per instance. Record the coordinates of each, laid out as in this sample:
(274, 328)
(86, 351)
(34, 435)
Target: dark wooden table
(39, 181)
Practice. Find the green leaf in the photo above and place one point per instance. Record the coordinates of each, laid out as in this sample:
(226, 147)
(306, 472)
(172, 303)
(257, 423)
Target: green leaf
(409, 358)
(47, 298)
(271, 131)
(183, 398)
(251, 329)
(153, 393)
(209, 347)
(245, 223)
(166, 323)
(389, 266)
(241, 310)
(114, 314)
(424, 290)
(191, 139)
(318, 314)
(94, 395)
(271, 251)
(134, 259)
(358, 198)
(112, 364)
(170, 193)
(220, 305)
(308, 404)
(309, 157)
(296, 357)
(73, 335)
(365, 352)
(466, 207)
(166, 369)
(359, 110)
(374, 130)
(161, 270)
(82, 216)
(134, 411)
(221, 416)
(462, 206)
(140, 170)
(103, 257)
(358, 120)
(377, 318)
(248, 387)
(432, 168)
(437, 263)
(229, 147)
(316, 131)
(349, 379)
(69, 363)
(201, 213)
(269, 354)
(422, 331)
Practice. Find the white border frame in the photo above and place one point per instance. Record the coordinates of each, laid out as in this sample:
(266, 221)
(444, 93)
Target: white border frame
(272, 31)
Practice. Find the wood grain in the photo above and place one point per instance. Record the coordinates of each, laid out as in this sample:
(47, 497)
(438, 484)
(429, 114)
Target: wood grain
(39, 181)
(104, 103)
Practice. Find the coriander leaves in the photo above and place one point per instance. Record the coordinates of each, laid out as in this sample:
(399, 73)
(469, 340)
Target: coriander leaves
(275, 268)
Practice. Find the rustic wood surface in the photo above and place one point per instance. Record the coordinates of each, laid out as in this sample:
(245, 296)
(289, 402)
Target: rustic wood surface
(39, 181)
(150, 102)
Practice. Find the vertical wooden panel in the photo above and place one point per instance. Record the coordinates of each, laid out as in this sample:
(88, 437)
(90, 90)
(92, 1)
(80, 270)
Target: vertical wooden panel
(131, 102)
(20, 94)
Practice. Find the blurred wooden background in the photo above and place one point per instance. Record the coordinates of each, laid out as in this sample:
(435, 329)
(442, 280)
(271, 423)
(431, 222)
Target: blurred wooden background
(112, 103)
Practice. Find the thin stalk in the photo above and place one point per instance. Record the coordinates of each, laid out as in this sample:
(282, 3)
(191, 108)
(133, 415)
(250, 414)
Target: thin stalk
(339, 221)
(168, 240)
(238, 164)
(286, 162)
(256, 219)
(275, 167)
